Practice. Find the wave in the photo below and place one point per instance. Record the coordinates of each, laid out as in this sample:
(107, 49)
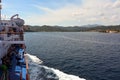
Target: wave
(40, 72)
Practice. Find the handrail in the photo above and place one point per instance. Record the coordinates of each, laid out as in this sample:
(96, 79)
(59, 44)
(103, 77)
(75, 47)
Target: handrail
(12, 32)
(27, 73)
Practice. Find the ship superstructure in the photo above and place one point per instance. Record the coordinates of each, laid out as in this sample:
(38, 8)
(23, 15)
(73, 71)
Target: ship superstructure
(13, 64)
(11, 32)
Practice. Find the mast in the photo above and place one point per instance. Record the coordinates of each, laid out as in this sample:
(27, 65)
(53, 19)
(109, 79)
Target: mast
(0, 10)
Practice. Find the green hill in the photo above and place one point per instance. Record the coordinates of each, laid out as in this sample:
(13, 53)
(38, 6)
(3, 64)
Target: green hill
(46, 28)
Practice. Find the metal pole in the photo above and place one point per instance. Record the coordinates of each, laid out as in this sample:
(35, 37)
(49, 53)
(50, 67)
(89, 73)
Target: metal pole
(0, 10)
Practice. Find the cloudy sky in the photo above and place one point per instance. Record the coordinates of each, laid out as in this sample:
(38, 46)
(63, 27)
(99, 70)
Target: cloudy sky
(64, 12)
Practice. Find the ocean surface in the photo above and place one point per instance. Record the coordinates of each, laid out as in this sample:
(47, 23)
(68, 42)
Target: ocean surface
(89, 55)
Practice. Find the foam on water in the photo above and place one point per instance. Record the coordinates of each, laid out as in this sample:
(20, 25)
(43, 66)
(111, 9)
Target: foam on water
(40, 72)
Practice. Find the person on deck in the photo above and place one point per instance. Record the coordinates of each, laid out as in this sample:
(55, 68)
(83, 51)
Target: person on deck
(21, 53)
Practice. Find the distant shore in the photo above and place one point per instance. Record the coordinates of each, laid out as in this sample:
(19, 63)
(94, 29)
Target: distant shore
(46, 28)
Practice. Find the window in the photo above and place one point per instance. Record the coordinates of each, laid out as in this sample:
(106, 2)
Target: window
(12, 24)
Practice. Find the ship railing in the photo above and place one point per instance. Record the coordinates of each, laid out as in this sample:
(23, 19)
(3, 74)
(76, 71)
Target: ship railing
(14, 36)
(27, 68)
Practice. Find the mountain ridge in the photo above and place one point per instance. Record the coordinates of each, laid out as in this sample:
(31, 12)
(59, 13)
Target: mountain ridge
(84, 28)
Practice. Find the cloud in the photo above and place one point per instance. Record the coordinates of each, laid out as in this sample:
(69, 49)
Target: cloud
(89, 12)
(45, 9)
(117, 4)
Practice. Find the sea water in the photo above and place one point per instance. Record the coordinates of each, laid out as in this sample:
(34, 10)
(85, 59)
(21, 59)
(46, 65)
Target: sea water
(90, 55)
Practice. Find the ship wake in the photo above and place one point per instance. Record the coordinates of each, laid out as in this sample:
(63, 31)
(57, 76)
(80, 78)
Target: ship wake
(38, 71)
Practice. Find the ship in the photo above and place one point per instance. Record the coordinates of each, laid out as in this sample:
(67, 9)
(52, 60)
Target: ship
(13, 61)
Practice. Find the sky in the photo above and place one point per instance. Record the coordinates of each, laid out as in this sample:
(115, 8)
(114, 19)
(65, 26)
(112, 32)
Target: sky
(64, 12)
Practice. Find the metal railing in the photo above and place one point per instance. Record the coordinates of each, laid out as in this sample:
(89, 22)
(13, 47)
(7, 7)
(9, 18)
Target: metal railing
(14, 36)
